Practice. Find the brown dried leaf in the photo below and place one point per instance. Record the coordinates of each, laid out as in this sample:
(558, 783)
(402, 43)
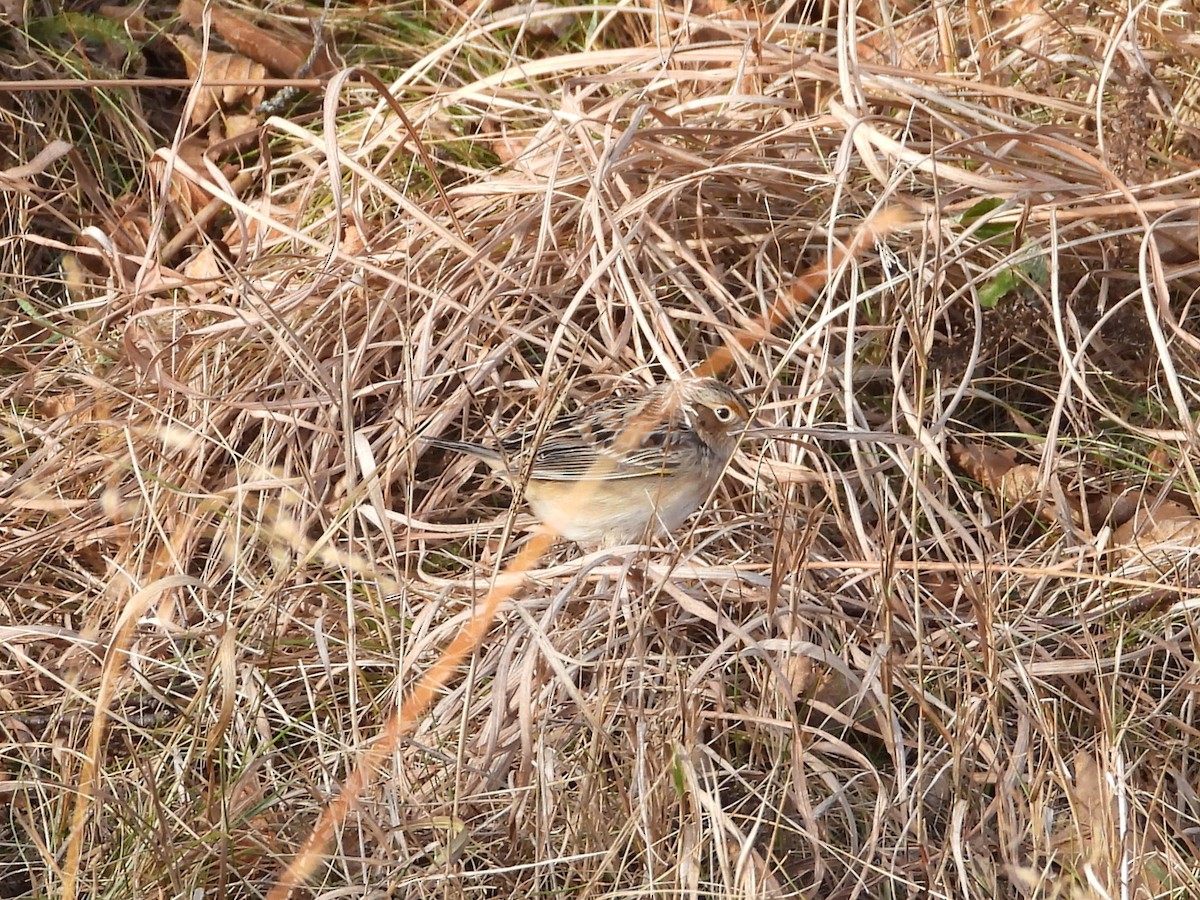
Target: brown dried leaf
(1179, 241)
(1018, 484)
(238, 125)
(133, 227)
(220, 67)
(132, 19)
(986, 465)
(801, 674)
(507, 146)
(352, 241)
(1169, 526)
(1159, 459)
(282, 55)
(184, 191)
(259, 229)
(78, 278)
(203, 272)
(1086, 833)
(547, 24)
(1014, 484)
(74, 410)
(57, 405)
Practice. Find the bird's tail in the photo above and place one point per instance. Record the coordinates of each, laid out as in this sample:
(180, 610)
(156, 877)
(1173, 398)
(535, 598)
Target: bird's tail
(487, 454)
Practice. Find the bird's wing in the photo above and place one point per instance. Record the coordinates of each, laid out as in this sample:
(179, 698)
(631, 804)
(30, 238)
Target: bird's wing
(589, 444)
(580, 457)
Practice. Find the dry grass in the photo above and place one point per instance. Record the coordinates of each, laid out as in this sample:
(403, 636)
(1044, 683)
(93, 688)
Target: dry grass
(856, 674)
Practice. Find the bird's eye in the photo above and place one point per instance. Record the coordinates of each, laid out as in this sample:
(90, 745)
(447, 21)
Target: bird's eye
(723, 413)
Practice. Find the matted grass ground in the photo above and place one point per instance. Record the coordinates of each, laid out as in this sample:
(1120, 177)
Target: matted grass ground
(876, 666)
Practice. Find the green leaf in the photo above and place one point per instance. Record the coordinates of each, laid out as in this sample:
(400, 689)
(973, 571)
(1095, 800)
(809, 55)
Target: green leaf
(999, 287)
(986, 231)
(1033, 268)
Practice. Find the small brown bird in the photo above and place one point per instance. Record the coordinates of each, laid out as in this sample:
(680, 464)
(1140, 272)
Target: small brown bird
(616, 470)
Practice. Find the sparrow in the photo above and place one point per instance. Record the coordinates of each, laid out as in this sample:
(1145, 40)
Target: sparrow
(621, 469)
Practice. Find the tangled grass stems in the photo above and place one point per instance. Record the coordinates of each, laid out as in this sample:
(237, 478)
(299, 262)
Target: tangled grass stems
(870, 671)
(402, 722)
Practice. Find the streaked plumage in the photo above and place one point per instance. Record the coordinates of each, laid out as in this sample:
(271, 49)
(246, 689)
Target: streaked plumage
(610, 471)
